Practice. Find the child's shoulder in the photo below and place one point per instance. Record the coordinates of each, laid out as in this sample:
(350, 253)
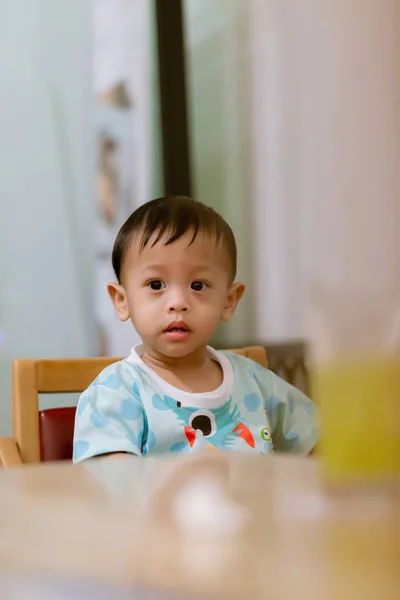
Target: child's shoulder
(118, 374)
(248, 373)
(246, 366)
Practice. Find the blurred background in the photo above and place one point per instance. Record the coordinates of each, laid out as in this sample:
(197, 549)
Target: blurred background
(282, 115)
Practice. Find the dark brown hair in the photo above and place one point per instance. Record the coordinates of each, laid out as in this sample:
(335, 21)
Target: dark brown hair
(171, 217)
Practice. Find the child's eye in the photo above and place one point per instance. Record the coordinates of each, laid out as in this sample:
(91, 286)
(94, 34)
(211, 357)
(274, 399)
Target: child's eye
(198, 286)
(156, 285)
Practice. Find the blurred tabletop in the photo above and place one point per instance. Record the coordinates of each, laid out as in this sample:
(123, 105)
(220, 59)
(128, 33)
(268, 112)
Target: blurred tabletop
(213, 525)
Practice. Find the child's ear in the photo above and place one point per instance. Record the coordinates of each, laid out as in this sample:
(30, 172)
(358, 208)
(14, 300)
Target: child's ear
(233, 298)
(118, 298)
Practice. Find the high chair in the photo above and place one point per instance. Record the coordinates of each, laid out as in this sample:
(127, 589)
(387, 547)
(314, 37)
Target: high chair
(47, 435)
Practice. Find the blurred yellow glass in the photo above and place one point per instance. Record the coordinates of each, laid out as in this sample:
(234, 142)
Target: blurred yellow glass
(360, 419)
(356, 380)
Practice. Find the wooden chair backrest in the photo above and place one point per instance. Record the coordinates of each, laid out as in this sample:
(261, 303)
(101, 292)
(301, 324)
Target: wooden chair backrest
(32, 377)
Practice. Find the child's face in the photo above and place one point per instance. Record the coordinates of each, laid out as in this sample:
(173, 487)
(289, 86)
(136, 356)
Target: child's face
(176, 294)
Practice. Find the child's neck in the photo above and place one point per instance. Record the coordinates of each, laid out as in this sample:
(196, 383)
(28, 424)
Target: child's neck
(195, 360)
(195, 373)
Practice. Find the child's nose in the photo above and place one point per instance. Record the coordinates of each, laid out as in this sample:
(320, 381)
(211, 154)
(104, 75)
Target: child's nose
(178, 307)
(178, 302)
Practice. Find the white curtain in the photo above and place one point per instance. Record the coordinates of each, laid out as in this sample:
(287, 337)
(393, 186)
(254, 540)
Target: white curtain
(295, 129)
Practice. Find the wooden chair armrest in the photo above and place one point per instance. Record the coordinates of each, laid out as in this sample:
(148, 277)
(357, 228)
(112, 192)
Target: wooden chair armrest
(9, 453)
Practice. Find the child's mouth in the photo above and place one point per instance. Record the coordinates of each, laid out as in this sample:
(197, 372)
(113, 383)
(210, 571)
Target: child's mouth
(177, 331)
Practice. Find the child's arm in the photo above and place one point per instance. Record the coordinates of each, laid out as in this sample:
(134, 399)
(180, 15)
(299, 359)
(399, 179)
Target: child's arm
(111, 455)
(109, 418)
(292, 416)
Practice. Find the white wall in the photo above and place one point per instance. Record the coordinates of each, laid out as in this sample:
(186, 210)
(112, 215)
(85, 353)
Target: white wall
(46, 183)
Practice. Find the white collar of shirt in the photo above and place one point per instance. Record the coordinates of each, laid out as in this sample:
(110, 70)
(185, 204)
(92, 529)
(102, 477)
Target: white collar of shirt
(211, 399)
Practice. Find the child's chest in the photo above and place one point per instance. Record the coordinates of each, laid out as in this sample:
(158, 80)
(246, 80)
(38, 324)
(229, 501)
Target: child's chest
(240, 424)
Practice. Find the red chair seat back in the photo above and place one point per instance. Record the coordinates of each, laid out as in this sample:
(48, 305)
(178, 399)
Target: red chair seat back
(56, 428)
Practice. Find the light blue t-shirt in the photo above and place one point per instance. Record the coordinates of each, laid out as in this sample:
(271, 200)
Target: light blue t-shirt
(129, 408)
